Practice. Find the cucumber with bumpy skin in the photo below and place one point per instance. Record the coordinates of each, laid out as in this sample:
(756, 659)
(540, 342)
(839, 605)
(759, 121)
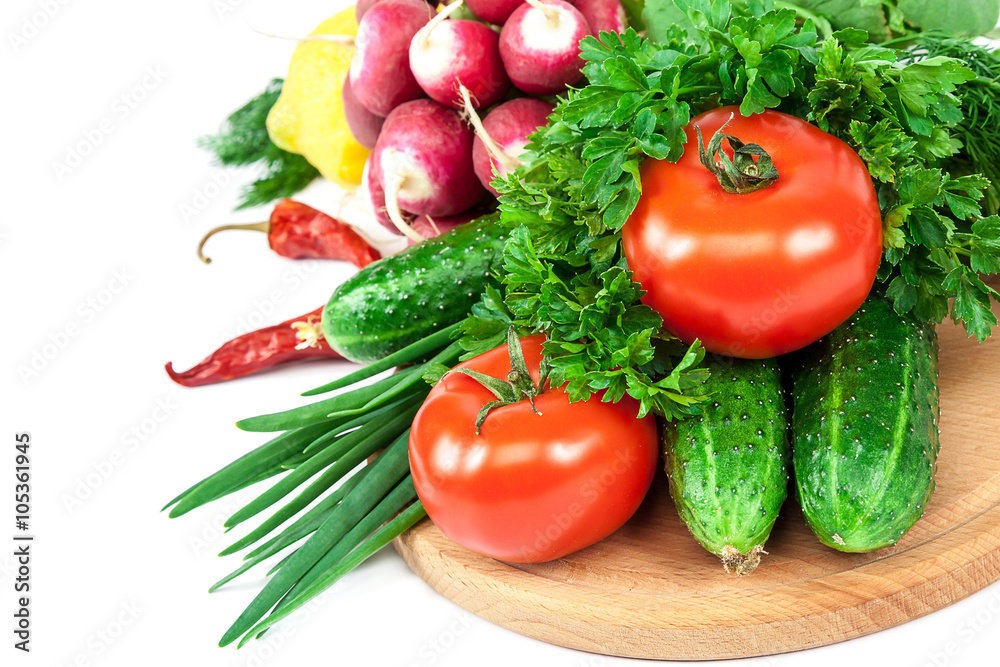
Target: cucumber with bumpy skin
(406, 297)
(728, 467)
(865, 424)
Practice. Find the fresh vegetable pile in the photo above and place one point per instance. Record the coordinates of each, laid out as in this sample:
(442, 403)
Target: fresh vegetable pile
(729, 242)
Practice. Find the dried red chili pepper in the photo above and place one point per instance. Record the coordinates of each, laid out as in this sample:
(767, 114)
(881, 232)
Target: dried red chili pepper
(298, 231)
(298, 338)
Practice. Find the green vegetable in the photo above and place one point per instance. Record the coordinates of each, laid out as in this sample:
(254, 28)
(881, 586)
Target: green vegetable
(868, 16)
(728, 467)
(403, 298)
(243, 141)
(323, 443)
(968, 18)
(979, 129)
(633, 12)
(865, 428)
(881, 19)
(401, 310)
(565, 274)
(826, 15)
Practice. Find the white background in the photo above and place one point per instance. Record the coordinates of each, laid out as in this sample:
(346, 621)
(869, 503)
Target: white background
(101, 286)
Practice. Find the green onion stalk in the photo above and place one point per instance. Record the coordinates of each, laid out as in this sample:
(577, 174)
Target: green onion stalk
(316, 447)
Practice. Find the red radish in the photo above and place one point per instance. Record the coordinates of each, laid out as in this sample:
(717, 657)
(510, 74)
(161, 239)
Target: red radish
(503, 135)
(363, 6)
(446, 52)
(540, 46)
(380, 70)
(364, 125)
(493, 11)
(603, 15)
(423, 159)
(376, 195)
(422, 225)
(429, 227)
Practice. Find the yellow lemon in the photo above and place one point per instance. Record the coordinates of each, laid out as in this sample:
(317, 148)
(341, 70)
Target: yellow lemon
(308, 117)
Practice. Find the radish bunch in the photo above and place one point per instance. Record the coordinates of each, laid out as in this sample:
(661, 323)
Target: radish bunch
(420, 80)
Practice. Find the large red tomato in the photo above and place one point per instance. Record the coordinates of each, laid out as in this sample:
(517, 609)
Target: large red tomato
(531, 487)
(760, 274)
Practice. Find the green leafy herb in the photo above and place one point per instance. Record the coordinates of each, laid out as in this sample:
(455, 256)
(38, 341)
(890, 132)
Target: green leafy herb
(243, 141)
(884, 19)
(870, 16)
(980, 105)
(970, 18)
(564, 271)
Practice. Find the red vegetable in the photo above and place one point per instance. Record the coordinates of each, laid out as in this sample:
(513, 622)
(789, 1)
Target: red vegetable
(298, 231)
(602, 15)
(531, 487)
(423, 162)
(493, 11)
(364, 125)
(540, 46)
(380, 69)
(298, 338)
(766, 272)
(507, 127)
(447, 53)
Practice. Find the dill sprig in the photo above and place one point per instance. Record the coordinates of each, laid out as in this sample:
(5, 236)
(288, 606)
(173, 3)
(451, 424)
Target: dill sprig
(243, 141)
(980, 104)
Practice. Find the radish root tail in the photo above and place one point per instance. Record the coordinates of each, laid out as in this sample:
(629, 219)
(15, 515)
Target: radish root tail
(395, 213)
(550, 14)
(424, 33)
(346, 40)
(509, 162)
(434, 226)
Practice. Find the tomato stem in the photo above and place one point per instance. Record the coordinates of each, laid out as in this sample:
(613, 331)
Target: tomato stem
(742, 174)
(517, 386)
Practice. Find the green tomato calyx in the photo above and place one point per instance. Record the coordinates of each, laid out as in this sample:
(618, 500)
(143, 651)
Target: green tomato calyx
(742, 174)
(516, 387)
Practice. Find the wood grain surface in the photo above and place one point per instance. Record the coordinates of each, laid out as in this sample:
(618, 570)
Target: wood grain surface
(650, 591)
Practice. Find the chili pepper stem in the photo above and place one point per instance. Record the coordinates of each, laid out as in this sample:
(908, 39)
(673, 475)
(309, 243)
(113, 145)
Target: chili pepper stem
(253, 226)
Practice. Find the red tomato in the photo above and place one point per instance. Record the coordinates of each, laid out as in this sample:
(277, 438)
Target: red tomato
(532, 487)
(760, 274)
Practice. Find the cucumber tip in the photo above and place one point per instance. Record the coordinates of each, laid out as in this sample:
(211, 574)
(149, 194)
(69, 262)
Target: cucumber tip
(736, 562)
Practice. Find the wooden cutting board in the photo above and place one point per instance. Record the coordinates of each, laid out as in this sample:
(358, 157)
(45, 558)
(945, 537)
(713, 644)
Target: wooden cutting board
(650, 591)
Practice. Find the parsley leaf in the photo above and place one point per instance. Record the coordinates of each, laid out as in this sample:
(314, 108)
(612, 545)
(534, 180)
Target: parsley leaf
(979, 105)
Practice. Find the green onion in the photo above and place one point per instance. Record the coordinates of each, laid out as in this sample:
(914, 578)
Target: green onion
(359, 507)
(399, 525)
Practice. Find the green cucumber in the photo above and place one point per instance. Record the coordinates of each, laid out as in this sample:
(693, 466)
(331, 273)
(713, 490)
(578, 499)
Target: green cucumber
(865, 425)
(403, 298)
(728, 467)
